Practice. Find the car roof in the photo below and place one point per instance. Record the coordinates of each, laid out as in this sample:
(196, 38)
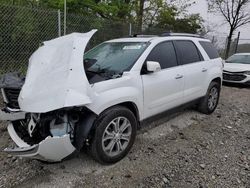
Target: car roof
(132, 39)
(158, 38)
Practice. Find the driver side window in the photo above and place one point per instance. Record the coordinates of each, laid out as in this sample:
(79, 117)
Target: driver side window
(164, 53)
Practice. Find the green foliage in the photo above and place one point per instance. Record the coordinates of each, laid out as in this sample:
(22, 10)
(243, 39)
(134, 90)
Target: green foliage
(29, 22)
(115, 9)
(173, 19)
(163, 14)
(22, 30)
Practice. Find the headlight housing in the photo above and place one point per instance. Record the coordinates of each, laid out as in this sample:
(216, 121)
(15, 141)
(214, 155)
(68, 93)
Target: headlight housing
(247, 72)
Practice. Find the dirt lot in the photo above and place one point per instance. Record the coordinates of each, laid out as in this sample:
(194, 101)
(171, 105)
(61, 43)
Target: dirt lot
(189, 150)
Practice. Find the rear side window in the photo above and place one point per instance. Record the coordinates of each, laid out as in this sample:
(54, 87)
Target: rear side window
(164, 53)
(188, 52)
(210, 49)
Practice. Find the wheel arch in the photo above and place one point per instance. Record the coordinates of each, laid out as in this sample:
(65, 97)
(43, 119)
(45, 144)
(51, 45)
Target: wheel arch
(132, 107)
(217, 80)
(87, 124)
(129, 105)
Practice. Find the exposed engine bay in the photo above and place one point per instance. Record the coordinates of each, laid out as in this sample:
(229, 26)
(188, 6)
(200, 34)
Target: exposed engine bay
(36, 127)
(49, 136)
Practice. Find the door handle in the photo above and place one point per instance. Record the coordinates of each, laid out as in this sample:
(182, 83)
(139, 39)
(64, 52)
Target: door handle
(204, 70)
(178, 76)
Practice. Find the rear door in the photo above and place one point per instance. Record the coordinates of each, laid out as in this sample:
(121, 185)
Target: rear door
(195, 69)
(164, 89)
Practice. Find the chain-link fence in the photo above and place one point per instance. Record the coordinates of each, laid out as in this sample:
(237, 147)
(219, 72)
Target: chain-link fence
(240, 45)
(237, 45)
(23, 29)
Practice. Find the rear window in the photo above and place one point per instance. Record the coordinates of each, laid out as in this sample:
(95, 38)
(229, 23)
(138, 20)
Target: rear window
(210, 49)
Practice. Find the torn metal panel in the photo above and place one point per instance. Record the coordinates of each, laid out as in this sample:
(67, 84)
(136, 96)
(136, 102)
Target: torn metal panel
(4, 96)
(51, 149)
(19, 142)
(56, 76)
(11, 116)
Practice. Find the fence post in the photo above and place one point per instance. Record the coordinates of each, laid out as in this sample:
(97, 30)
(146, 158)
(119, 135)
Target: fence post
(65, 16)
(237, 42)
(130, 29)
(225, 51)
(213, 39)
(59, 23)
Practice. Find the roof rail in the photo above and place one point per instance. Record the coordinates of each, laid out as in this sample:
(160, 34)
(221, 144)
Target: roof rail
(181, 34)
(143, 36)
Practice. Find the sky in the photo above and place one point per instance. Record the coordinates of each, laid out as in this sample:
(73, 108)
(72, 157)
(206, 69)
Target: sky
(217, 23)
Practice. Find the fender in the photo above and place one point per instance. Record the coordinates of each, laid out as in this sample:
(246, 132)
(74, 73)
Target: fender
(105, 99)
(83, 128)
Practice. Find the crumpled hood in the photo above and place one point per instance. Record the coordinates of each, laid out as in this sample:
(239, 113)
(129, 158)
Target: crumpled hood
(56, 76)
(236, 67)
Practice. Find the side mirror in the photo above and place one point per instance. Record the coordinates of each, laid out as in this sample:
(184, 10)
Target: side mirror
(153, 66)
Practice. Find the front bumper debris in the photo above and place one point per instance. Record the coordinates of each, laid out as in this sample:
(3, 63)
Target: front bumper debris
(11, 115)
(52, 149)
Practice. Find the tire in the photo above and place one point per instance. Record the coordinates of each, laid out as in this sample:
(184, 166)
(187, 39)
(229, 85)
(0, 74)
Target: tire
(209, 103)
(114, 135)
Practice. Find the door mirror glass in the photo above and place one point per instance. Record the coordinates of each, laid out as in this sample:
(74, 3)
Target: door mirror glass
(153, 66)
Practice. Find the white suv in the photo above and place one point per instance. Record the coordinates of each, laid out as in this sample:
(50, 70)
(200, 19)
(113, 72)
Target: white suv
(66, 104)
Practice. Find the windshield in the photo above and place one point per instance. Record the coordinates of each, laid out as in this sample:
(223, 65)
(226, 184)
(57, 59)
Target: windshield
(243, 59)
(114, 58)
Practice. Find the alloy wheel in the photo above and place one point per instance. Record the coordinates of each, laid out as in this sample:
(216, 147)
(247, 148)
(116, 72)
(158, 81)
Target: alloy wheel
(213, 98)
(116, 136)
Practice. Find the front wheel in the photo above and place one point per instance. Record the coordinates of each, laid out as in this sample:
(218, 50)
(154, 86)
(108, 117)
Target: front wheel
(209, 103)
(114, 135)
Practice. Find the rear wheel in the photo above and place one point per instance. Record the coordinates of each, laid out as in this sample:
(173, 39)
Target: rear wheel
(209, 103)
(114, 135)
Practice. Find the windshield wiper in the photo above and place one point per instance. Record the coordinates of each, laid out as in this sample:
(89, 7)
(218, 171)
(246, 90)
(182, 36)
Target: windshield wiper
(89, 62)
(106, 73)
(102, 72)
(96, 72)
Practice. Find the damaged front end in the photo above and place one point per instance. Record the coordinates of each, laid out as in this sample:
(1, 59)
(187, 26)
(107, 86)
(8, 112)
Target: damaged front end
(49, 136)
(44, 136)
(45, 111)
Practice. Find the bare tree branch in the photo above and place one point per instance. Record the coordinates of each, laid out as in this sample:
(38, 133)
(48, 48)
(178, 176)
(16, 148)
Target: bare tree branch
(234, 12)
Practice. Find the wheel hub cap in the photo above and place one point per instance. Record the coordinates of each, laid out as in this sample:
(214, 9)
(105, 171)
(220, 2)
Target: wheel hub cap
(116, 136)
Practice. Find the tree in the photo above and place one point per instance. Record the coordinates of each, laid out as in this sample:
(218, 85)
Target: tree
(234, 13)
(147, 15)
(170, 19)
(140, 14)
(161, 16)
(110, 10)
(157, 16)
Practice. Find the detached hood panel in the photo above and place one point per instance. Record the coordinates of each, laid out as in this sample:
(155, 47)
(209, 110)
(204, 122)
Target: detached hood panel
(56, 76)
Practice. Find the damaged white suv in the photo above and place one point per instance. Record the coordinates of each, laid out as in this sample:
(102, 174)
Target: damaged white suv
(99, 99)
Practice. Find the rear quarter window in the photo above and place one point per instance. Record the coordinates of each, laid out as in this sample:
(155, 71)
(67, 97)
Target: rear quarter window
(210, 49)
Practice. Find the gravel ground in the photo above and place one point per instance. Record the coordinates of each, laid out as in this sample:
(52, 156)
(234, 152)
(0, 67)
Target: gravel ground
(188, 150)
